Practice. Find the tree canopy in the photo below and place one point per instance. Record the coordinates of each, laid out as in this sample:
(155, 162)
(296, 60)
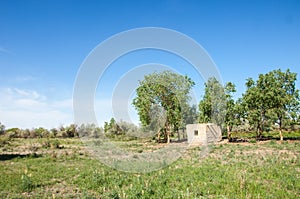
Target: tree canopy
(212, 108)
(165, 92)
(272, 98)
(218, 105)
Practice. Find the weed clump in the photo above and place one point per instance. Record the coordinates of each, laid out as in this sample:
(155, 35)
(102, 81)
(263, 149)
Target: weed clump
(26, 182)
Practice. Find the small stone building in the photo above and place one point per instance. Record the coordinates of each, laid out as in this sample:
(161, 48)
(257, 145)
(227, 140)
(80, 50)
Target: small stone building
(203, 133)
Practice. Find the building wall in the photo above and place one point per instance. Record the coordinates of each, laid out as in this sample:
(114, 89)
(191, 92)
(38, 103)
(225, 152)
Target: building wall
(203, 133)
(213, 133)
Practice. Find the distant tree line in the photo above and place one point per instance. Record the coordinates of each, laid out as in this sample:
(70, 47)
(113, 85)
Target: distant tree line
(111, 130)
(40, 132)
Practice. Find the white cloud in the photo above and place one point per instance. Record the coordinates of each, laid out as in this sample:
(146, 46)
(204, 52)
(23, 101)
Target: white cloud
(28, 109)
(31, 119)
(29, 94)
(63, 104)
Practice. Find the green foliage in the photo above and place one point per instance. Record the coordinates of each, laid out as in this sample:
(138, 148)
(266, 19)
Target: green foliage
(55, 144)
(113, 127)
(89, 130)
(232, 116)
(269, 103)
(40, 132)
(71, 131)
(4, 139)
(13, 132)
(162, 97)
(273, 98)
(190, 115)
(218, 105)
(212, 107)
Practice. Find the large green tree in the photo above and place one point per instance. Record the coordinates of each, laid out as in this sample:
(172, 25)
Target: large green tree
(254, 107)
(167, 92)
(272, 96)
(212, 108)
(281, 95)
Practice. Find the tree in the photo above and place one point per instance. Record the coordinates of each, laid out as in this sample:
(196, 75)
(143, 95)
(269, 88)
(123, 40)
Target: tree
(272, 97)
(232, 116)
(2, 129)
(165, 91)
(281, 95)
(112, 127)
(254, 107)
(212, 108)
(190, 115)
(71, 131)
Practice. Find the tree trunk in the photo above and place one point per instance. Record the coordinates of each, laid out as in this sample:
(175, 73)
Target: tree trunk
(280, 130)
(168, 134)
(158, 136)
(228, 133)
(261, 128)
(165, 135)
(258, 134)
(168, 137)
(178, 135)
(281, 136)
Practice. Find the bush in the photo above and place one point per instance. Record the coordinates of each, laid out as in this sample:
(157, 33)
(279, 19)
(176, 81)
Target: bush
(25, 133)
(55, 144)
(13, 132)
(46, 144)
(4, 139)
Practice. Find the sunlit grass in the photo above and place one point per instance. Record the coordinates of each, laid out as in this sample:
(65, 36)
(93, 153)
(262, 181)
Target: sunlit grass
(240, 170)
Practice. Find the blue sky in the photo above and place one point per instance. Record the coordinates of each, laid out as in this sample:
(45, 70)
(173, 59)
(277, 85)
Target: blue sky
(43, 44)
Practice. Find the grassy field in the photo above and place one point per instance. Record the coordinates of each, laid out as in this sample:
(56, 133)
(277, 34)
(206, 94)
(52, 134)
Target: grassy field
(62, 168)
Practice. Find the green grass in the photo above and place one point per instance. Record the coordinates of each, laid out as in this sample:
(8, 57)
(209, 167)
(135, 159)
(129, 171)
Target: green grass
(248, 170)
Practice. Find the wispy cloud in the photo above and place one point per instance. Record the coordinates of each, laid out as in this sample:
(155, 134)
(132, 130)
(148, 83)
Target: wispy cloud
(4, 51)
(24, 78)
(29, 94)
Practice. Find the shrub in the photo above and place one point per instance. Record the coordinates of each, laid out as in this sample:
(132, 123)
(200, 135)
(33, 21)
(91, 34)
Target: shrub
(46, 144)
(55, 144)
(25, 133)
(4, 139)
(13, 132)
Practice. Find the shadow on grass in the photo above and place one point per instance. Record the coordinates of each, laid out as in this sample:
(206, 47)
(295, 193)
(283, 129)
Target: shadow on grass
(179, 141)
(4, 157)
(263, 138)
